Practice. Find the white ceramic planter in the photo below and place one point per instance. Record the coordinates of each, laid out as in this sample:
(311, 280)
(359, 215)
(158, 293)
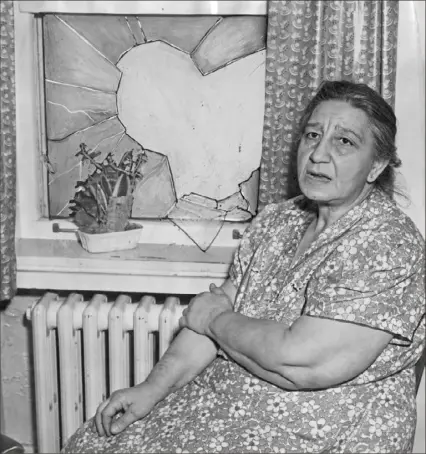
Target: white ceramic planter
(108, 242)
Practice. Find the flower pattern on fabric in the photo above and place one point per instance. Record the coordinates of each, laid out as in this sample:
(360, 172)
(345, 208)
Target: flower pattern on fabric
(8, 152)
(381, 285)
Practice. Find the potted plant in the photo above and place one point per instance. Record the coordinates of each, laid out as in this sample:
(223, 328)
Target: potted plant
(102, 204)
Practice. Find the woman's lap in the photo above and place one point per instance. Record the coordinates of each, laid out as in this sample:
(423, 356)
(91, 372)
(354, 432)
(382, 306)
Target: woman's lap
(220, 413)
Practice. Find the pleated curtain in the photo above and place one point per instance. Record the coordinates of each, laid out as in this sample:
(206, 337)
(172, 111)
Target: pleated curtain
(7, 153)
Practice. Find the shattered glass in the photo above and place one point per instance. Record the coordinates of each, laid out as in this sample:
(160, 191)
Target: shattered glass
(193, 104)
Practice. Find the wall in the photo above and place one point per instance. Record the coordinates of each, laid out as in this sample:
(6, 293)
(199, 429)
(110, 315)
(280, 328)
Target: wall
(410, 106)
(410, 110)
(15, 358)
(16, 373)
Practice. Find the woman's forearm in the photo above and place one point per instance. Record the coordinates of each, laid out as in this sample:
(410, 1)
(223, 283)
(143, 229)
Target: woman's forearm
(252, 343)
(188, 355)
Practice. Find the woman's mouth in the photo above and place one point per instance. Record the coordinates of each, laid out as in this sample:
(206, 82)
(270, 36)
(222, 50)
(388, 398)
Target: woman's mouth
(318, 176)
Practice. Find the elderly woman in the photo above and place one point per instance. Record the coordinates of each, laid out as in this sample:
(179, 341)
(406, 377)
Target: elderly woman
(310, 344)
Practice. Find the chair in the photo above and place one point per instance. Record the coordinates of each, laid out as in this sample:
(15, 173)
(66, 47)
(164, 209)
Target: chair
(10, 446)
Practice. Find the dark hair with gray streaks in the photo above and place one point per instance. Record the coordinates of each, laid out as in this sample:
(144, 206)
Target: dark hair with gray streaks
(382, 122)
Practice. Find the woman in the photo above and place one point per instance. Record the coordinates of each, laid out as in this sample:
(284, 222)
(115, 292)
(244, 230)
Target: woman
(310, 344)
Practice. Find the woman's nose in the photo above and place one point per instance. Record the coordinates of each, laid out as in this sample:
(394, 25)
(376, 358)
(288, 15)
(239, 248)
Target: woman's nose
(320, 152)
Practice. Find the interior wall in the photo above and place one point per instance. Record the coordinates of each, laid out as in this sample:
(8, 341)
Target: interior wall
(410, 107)
(410, 112)
(16, 373)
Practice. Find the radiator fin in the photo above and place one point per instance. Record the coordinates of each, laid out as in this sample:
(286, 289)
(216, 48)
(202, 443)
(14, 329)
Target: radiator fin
(45, 371)
(70, 364)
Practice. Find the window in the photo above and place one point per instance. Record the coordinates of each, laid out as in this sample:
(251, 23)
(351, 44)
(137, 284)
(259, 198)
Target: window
(42, 122)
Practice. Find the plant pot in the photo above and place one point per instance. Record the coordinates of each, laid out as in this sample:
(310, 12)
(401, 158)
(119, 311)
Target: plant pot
(112, 241)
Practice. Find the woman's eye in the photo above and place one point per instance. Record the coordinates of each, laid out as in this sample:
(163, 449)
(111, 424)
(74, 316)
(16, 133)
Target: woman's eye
(312, 135)
(345, 141)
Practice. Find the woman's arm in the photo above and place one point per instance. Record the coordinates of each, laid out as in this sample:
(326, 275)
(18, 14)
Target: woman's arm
(312, 353)
(188, 355)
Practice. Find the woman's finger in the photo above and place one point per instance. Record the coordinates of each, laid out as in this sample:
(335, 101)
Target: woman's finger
(123, 422)
(182, 322)
(216, 290)
(114, 406)
(98, 418)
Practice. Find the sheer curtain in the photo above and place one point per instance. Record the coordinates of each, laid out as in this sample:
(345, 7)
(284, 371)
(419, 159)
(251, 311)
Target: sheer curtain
(312, 41)
(7, 153)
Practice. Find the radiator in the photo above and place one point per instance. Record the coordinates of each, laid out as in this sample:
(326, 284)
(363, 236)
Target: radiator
(85, 350)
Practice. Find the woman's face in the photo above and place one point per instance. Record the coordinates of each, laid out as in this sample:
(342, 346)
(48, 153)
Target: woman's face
(335, 159)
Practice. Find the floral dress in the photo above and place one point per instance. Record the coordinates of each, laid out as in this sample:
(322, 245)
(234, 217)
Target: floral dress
(367, 268)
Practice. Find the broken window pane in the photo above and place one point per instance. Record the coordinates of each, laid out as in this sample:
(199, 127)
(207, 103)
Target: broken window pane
(188, 90)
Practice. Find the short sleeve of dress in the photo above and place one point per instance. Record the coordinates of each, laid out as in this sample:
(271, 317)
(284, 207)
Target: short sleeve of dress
(376, 282)
(248, 244)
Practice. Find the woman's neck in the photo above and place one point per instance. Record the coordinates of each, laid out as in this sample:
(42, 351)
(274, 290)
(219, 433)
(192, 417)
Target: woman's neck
(328, 214)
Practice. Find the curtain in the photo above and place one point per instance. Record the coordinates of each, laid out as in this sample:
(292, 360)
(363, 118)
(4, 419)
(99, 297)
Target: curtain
(312, 41)
(7, 153)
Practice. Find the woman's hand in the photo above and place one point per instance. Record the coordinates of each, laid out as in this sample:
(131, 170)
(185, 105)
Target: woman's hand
(134, 403)
(204, 308)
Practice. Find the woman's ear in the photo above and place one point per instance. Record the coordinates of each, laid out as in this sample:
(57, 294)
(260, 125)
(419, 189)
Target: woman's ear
(376, 169)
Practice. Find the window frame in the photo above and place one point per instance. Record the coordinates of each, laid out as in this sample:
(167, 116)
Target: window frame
(167, 7)
(33, 226)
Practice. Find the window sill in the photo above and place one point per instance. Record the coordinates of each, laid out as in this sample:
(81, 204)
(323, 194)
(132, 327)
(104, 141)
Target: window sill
(153, 268)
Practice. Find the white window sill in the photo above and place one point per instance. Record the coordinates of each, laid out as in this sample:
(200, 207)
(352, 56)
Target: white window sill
(154, 268)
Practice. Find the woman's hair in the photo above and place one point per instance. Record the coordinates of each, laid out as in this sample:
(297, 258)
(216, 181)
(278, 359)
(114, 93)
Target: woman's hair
(381, 118)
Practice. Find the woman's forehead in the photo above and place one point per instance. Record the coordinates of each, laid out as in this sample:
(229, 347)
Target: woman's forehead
(341, 115)
(339, 110)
